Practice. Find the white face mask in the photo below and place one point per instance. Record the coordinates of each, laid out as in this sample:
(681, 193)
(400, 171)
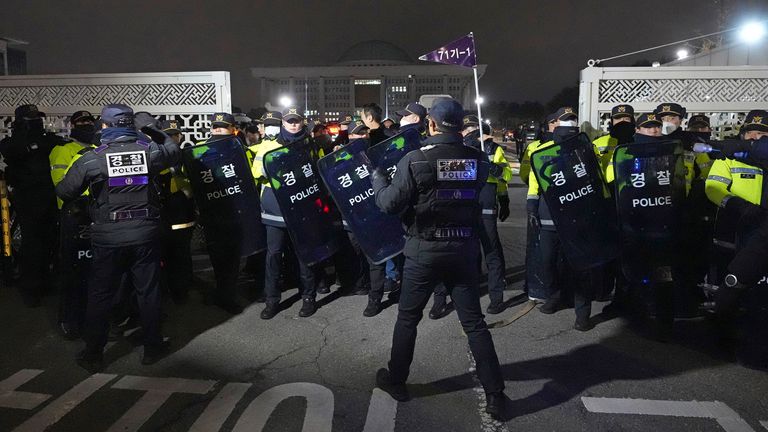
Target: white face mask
(568, 123)
(667, 128)
(272, 130)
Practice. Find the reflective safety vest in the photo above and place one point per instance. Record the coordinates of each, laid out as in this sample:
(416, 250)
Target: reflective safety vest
(533, 188)
(498, 158)
(729, 177)
(525, 163)
(61, 158)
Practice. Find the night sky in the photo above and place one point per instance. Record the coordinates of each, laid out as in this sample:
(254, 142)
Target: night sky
(532, 48)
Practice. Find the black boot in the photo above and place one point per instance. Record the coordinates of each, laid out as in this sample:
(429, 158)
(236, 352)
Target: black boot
(308, 308)
(398, 391)
(373, 308)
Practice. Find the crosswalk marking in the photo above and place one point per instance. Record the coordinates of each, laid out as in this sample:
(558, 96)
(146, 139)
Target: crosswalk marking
(10, 398)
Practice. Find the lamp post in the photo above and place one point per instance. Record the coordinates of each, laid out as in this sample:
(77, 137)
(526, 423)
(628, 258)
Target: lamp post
(750, 33)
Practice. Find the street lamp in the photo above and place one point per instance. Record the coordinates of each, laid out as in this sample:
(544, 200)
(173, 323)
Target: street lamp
(750, 32)
(285, 101)
(682, 54)
(479, 100)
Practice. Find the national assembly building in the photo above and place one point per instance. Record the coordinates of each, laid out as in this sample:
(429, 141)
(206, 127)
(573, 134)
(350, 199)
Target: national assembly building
(368, 72)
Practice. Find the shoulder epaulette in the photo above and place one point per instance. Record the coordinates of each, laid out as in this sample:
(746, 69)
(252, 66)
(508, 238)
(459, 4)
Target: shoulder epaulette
(100, 148)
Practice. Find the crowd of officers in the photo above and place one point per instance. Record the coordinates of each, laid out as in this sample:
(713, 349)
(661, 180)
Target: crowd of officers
(725, 202)
(124, 208)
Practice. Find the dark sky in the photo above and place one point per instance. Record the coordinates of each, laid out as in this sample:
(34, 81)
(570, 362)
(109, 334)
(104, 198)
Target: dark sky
(532, 48)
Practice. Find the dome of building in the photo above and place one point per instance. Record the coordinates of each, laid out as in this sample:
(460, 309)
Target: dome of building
(374, 53)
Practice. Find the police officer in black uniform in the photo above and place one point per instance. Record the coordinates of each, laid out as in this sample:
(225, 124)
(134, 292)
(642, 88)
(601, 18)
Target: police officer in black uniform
(436, 190)
(178, 213)
(28, 173)
(120, 175)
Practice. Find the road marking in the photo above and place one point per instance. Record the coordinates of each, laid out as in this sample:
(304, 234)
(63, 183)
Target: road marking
(487, 423)
(10, 398)
(764, 423)
(382, 412)
(727, 418)
(319, 412)
(57, 409)
(217, 412)
(158, 390)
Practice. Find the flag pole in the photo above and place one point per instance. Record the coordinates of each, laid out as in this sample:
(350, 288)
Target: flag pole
(477, 97)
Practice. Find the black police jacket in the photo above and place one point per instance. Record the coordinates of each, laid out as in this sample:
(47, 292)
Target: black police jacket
(27, 161)
(413, 191)
(90, 170)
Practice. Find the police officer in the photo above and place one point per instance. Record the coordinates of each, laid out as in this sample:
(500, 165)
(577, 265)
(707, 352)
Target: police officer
(620, 131)
(495, 203)
(412, 116)
(550, 248)
(291, 132)
(739, 189)
(435, 190)
(544, 136)
(178, 214)
(74, 228)
(343, 136)
(225, 257)
(26, 154)
(120, 175)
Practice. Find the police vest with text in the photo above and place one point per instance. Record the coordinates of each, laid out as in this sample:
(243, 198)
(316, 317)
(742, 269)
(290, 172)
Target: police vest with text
(128, 192)
(451, 209)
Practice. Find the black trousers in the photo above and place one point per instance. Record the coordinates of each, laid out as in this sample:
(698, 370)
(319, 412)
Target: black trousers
(455, 265)
(177, 258)
(37, 215)
(277, 246)
(224, 252)
(142, 263)
(376, 273)
(580, 286)
(75, 257)
(494, 258)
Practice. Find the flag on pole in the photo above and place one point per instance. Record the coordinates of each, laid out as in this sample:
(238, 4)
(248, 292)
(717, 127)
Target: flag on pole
(460, 52)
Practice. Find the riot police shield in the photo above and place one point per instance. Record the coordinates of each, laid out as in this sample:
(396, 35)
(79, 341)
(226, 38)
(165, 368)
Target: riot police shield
(75, 238)
(649, 190)
(226, 194)
(571, 183)
(305, 207)
(347, 174)
(386, 154)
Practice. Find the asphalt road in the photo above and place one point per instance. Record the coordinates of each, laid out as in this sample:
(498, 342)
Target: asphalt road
(317, 374)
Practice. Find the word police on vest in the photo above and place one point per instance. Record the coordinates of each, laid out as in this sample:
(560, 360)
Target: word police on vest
(570, 196)
(357, 199)
(305, 193)
(457, 169)
(126, 163)
(652, 202)
(84, 254)
(224, 192)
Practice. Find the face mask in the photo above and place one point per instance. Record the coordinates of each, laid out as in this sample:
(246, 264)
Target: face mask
(667, 128)
(567, 123)
(623, 132)
(272, 130)
(703, 135)
(83, 133)
(405, 121)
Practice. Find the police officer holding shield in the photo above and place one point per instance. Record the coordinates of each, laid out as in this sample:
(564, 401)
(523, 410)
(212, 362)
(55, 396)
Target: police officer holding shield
(120, 175)
(436, 191)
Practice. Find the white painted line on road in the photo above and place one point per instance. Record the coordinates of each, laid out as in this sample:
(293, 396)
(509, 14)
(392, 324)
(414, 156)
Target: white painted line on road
(764, 423)
(727, 418)
(158, 390)
(382, 412)
(319, 412)
(487, 423)
(64, 404)
(217, 412)
(10, 398)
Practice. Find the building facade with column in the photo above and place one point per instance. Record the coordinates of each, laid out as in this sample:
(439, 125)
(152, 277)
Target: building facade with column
(368, 72)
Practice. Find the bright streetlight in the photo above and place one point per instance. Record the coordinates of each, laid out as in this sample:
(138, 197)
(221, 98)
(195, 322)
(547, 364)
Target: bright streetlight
(487, 121)
(752, 32)
(682, 53)
(479, 100)
(285, 101)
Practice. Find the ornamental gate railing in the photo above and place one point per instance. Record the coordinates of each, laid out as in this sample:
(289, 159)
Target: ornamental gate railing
(189, 97)
(724, 93)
